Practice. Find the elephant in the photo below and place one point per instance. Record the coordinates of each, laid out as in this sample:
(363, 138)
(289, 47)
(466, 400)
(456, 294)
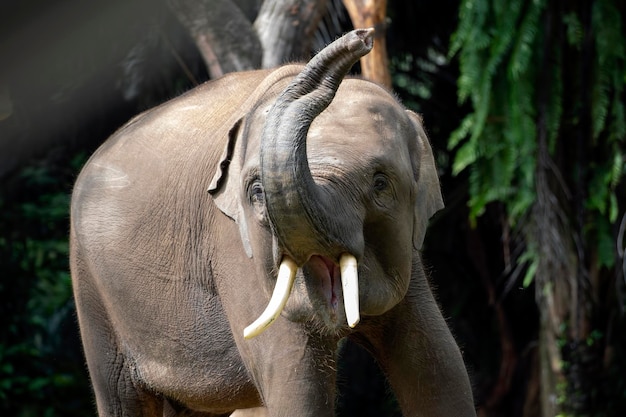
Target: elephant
(320, 189)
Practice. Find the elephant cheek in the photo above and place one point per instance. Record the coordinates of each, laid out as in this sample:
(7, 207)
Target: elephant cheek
(381, 289)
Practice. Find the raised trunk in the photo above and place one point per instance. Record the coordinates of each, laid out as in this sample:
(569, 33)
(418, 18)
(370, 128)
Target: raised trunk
(302, 219)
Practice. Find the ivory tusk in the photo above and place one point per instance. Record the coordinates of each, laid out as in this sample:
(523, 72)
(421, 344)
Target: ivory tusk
(284, 283)
(350, 285)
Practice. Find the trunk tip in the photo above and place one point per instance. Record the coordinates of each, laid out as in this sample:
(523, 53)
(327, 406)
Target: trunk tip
(366, 34)
(364, 39)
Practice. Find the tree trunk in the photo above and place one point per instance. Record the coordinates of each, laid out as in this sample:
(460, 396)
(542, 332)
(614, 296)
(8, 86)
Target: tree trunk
(286, 29)
(556, 269)
(565, 291)
(222, 32)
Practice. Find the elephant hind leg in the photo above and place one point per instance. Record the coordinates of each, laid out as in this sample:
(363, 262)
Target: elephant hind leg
(117, 393)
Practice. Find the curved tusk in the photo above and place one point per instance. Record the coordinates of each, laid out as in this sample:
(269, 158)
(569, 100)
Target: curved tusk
(350, 285)
(284, 283)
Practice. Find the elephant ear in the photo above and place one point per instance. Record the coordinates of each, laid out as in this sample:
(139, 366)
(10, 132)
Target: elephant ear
(225, 187)
(428, 198)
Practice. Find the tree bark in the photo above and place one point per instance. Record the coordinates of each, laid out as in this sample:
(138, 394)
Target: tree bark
(222, 32)
(286, 29)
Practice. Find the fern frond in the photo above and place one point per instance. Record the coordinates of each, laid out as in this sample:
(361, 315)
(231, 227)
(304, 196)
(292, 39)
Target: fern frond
(481, 101)
(461, 132)
(505, 27)
(465, 156)
(471, 65)
(610, 65)
(472, 15)
(618, 132)
(523, 48)
(573, 29)
(617, 168)
(601, 97)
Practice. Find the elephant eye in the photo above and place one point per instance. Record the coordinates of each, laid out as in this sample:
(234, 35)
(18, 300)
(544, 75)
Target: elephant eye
(257, 200)
(257, 196)
(381, 182)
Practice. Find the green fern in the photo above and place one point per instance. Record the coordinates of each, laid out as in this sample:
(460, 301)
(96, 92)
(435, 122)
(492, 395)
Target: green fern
(610, 63)
(493, 141)
(574, 29)
(522, 51)
(546, 134)
(499, 46)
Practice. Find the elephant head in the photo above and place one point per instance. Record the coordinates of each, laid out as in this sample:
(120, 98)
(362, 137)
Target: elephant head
(333, 178)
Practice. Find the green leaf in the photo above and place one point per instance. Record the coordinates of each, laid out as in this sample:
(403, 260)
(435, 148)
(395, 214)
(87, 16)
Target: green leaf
(465, 156)
(36, 384)
(573, 29)
(617, 169)
(461, 132)
(613, 208)
(529, 276)
(523, 47)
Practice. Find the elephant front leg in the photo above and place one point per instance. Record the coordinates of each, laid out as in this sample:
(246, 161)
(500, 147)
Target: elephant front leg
(422, 360)
(295, 372)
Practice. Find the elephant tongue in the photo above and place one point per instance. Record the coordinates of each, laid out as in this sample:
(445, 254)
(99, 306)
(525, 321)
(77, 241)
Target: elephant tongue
(325, 270)
(284, 283)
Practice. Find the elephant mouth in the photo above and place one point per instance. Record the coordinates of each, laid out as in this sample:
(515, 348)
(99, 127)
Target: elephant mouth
(323, 270)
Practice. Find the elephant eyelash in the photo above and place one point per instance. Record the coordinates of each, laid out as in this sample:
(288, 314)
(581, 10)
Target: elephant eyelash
(256, 194)
(383, 191)
(256, 198)
(380, 182)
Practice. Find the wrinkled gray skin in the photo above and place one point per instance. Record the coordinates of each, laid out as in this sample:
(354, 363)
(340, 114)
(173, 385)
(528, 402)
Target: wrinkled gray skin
(166, 276)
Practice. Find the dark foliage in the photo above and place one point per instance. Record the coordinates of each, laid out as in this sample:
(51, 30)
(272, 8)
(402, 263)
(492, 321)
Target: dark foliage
(41, 370)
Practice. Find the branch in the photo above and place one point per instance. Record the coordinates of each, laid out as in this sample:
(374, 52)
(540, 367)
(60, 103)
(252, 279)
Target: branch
(222, 32)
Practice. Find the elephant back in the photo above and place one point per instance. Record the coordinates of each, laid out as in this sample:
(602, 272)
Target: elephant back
(167, 153)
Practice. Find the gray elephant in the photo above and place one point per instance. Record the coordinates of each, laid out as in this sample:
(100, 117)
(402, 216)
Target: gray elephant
(320, 191)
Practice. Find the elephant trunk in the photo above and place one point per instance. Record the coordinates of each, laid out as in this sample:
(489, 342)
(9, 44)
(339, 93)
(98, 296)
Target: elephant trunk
(302, 219)
(300, 215)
